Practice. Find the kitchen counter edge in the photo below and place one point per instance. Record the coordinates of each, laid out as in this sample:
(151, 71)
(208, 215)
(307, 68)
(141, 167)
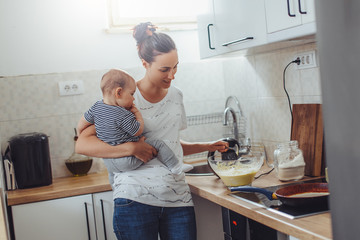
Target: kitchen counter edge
(207, 187)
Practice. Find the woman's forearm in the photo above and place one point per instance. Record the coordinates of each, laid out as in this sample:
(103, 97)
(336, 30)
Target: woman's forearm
(192, 147)
(88, 144)
(197, 147)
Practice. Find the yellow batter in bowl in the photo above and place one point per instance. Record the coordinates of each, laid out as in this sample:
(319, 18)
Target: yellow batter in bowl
(236, 172)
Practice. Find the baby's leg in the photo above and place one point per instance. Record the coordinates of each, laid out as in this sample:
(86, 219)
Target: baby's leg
(166, 156)
(111, 177)
(116, 165)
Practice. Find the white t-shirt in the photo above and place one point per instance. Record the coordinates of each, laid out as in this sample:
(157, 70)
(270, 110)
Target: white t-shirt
(152, 183)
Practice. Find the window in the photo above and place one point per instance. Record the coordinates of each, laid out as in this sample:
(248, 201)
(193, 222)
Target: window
(165, 14)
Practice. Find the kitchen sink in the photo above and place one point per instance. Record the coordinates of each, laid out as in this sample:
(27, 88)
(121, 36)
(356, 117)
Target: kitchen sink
(200, 170)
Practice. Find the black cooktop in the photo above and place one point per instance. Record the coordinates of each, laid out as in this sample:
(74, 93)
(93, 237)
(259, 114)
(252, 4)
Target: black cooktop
(276, 206)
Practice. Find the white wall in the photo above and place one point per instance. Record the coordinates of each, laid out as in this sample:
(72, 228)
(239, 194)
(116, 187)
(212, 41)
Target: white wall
(50, 36)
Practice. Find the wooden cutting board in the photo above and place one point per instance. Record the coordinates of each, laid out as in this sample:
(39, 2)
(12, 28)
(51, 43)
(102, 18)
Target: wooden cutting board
(307, 129)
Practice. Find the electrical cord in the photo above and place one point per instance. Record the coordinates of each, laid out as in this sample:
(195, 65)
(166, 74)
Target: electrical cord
(266, 173)
(297, 61)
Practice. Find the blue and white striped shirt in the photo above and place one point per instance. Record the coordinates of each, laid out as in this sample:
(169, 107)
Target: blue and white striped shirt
(113, 124)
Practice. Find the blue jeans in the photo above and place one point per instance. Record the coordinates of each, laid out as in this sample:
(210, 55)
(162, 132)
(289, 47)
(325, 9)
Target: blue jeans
(134, 221)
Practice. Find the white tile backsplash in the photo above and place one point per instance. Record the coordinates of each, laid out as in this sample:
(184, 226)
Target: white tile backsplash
(32, 103)
(240, 77)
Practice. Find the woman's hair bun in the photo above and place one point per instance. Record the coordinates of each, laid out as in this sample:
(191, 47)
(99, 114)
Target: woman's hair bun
(151, 44)
(142, 31)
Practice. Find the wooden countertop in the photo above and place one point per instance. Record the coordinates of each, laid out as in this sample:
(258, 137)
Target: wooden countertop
(212, 188)
(208, 187)
(60, 188)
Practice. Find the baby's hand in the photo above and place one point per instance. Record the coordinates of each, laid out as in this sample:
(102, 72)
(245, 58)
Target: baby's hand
(133, 109)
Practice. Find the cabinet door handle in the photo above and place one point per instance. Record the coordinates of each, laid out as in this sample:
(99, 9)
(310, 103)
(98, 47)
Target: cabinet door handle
(103, 218)
(300, 10)
(237, 41)
(288, 8)
(87, 220)
(208, 31)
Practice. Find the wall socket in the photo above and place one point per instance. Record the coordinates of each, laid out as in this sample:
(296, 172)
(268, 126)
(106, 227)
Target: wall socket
(67, 88)
(307, 60)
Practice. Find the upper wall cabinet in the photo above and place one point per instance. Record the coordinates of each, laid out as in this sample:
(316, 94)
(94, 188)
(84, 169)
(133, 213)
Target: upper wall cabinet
(239, 24)
(231, 25)
(287, 19)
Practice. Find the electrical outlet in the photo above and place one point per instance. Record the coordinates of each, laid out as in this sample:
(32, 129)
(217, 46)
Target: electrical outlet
(307, 59)
(67, 88)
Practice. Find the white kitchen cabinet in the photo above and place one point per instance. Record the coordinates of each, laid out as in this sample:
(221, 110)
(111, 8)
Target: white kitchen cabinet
(240, 24)
(104, 208)
(65, 218)
(207, 33)
(230, 26)
(289, 19)
(81, 217)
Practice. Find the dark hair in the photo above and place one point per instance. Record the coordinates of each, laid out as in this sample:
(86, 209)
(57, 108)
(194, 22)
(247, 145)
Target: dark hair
(113, 79)
(151, 44)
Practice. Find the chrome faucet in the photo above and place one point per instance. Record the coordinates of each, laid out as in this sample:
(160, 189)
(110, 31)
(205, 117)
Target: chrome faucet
(236, 101)
(244, 146)
(235, 125)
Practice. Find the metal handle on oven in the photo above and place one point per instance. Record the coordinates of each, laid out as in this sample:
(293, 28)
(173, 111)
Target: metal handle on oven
(237, 41)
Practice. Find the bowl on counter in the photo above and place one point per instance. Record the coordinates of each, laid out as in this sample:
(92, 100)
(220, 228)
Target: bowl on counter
(238, 171)
(79, 165)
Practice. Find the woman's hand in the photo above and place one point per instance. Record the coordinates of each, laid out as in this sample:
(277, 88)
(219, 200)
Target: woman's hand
(220, 146)
(143, 151)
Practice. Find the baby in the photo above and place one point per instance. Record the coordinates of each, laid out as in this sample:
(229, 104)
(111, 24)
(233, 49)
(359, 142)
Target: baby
(117, 121)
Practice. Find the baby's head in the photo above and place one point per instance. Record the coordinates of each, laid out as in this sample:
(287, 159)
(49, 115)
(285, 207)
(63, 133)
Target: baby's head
(118, 88)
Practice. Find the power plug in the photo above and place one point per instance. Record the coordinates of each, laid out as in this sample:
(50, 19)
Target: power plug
(307, 60)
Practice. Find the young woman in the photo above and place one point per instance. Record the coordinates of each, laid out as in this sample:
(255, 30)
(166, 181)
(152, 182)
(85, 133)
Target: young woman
(150, 201)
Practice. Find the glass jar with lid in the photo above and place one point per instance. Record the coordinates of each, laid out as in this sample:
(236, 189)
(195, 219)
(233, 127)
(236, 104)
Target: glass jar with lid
(289, 161)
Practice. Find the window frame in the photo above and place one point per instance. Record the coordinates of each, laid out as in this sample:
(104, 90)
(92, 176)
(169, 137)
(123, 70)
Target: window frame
(162, 23)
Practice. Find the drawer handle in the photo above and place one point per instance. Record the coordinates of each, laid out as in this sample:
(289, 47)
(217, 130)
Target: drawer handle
(237, 41)
(208, 31)
(87, 220)
(288, 8)
(300, 10)
(103, 218)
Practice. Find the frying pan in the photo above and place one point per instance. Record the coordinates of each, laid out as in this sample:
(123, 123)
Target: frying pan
(306, 194)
